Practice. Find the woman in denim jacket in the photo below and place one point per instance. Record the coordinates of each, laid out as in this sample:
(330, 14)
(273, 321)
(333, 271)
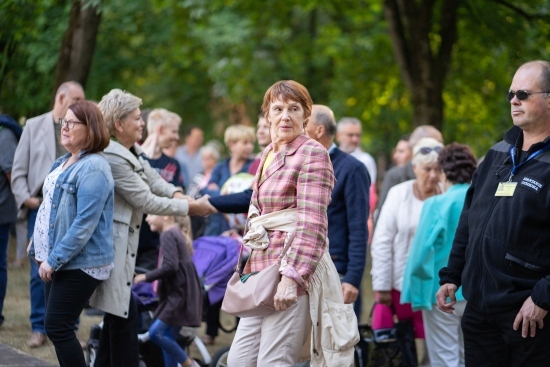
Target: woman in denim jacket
(72, 241)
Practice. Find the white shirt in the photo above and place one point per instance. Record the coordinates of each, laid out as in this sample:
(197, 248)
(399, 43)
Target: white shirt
(393, 236)
(368, 161)
(41, 236)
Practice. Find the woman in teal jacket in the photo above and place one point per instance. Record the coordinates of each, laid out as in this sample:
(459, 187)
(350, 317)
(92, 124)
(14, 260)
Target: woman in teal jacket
(430, 252)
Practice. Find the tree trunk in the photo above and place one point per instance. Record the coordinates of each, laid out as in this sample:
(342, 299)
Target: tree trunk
(423, 62)
(77, 46)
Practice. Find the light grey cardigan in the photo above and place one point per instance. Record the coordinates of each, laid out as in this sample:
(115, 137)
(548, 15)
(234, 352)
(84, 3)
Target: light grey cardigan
(138, 189)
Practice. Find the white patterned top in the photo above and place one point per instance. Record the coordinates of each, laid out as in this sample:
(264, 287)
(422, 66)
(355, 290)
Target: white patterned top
(41, 236)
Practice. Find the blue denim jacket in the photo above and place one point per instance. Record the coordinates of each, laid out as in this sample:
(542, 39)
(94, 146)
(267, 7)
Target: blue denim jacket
(81, 217)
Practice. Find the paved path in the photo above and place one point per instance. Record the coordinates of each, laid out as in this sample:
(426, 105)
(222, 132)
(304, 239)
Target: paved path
(10, 357)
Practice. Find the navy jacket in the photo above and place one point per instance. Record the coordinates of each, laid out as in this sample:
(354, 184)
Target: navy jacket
(347, 214)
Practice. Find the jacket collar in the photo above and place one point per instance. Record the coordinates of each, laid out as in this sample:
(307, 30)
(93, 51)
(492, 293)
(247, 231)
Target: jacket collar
(120, 150)
(279, 159)
(514, 137)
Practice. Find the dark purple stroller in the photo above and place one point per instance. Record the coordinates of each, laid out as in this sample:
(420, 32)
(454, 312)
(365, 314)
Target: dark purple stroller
(215, 258)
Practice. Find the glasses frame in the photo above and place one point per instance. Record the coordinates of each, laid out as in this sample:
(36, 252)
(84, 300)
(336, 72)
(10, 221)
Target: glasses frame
(520, 94)
(69, 123)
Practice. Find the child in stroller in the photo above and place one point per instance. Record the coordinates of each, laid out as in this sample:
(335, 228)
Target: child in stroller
(214, 259)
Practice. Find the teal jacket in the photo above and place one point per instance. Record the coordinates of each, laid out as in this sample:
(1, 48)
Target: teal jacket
(431, 247)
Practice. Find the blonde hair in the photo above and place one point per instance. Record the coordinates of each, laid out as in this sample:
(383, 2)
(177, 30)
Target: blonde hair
(236, 133)
(161, 116)
(431, 157)
(116, 105)
(184, 225)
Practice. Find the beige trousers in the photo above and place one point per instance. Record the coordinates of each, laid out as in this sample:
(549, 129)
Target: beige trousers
(275, 340)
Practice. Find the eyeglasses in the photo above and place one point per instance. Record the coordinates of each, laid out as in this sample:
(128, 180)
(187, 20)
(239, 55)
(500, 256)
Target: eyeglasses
(428, 150)
(521, 94)
(69, 123)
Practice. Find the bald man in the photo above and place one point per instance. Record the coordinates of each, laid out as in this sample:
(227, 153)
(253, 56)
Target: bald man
(39, 147)
(348, 209)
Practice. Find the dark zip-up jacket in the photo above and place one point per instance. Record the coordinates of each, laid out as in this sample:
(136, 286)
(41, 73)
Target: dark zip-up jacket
(501, 251)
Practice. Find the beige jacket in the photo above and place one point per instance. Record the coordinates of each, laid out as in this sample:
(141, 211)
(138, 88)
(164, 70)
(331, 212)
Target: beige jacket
(334, 324)
(138, 189)
(33, 159)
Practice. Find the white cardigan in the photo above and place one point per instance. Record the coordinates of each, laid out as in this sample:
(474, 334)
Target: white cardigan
(393, 236)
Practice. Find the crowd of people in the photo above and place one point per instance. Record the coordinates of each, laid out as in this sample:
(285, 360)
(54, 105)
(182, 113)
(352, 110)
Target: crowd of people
(457, 251)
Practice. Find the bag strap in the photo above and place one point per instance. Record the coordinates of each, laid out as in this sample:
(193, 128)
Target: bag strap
(288, 241)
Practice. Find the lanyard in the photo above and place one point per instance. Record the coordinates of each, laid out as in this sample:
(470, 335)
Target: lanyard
(515, 167)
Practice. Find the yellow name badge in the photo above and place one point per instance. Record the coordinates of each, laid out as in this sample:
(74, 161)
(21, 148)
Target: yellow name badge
(506, 189)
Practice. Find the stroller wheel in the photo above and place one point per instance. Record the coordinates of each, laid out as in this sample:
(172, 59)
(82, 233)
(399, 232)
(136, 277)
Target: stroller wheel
(220, 357)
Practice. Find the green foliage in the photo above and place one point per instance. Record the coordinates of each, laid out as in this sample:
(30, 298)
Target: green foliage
(211, 61)
(30, 36)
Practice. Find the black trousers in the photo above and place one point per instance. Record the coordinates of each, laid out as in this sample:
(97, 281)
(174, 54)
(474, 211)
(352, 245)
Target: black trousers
(491, 341)
(213, 319)
(118, 342)
(66, 295)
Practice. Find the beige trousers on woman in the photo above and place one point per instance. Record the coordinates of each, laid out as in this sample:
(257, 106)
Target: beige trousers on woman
(275, 340)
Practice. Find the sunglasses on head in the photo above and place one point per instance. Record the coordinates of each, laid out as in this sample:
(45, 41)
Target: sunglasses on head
(520, 94)
(427, 150)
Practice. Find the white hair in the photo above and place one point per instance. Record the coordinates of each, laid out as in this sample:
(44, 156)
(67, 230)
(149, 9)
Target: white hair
(210, 149)
(431, 157)
(347, 121)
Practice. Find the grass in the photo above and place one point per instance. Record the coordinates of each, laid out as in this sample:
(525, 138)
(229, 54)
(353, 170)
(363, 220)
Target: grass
(16, 328)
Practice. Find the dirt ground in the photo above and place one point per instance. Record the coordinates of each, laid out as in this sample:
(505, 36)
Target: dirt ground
(16, 329)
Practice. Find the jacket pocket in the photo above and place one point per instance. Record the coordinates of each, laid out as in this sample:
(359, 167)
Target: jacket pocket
(68, 198)
(516, 260)
(340, 331)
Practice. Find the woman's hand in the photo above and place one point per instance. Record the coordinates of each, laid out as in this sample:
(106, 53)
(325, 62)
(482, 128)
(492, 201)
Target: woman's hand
(384, 297)
(32, 202)
(139, 278)
(45, 271)
(287, 293)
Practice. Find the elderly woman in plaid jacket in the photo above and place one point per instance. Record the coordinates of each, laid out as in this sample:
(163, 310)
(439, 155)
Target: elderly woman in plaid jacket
(295, 176)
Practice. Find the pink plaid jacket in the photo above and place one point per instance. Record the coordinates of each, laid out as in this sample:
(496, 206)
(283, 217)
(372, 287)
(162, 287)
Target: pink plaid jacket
(300, 176)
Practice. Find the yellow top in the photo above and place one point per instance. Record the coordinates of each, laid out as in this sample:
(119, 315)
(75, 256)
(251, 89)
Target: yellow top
(267, 162)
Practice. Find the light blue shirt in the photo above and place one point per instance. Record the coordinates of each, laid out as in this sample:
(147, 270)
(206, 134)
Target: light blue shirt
(431, 247)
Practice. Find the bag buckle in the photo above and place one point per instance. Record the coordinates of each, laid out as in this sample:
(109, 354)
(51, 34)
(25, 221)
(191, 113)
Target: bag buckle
(245, 277)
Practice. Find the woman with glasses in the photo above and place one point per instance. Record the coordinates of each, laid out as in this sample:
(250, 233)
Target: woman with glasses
(430, 252)
(72, 241)
(394, 234)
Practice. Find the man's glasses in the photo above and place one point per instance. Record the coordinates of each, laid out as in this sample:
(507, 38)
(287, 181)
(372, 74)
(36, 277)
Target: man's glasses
(69, 123)
(428, 150)
(521, 94)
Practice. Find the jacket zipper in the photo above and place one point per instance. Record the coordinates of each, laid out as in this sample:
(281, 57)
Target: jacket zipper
(481, 262)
